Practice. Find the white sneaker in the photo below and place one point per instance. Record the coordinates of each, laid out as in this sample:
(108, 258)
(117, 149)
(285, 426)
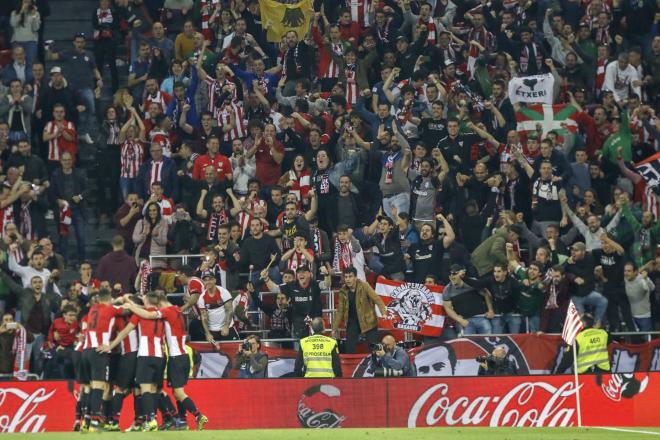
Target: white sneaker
(86, 138)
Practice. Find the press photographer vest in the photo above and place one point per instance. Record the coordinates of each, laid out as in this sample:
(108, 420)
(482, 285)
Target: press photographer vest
(317, 355)
(592, 344)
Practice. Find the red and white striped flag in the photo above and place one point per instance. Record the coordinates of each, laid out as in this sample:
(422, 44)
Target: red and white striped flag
(411, 307)
(572, 325)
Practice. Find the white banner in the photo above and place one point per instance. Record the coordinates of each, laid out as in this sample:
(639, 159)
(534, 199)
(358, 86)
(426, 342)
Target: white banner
(532, 89)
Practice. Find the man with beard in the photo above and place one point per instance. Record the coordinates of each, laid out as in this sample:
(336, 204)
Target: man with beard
(389, 262)
(394, 183)
(294, 222)
(427, 254)
(423, 191)
(297, 62)
(304, 297)
(530, 55)
(326, 180)
(347, 205)
(432, 129)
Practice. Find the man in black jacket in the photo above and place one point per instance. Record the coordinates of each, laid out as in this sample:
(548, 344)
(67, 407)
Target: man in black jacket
(580, 270)
(34, 169)
(304, 300)
(260, 251)
(70, 193)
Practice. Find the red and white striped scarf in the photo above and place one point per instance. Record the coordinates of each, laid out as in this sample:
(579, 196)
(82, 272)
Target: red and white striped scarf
(217, 219)
(343, 256)
(351, 84)
(603, 35)
(600, 73)
(66, 215)
(21, 359)
(206, 7)
(430, 25)
(25, 228)
(145, 272)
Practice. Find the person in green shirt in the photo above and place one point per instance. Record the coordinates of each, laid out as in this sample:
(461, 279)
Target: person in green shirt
(646, 233)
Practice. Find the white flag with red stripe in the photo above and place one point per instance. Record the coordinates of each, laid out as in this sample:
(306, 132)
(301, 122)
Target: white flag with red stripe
(572, 325)
(411, 307)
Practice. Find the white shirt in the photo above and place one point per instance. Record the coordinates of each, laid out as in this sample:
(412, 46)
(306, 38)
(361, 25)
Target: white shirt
(215, 306)
(619, 82)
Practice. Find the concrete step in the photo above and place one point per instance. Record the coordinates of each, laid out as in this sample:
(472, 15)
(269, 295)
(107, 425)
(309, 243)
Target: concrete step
(66, 29)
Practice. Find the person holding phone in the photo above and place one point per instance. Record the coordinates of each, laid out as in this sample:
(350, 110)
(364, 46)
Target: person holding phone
(8, 331)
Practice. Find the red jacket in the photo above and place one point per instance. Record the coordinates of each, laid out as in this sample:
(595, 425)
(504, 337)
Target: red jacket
(220, 162)
(595, 134)
(67, 332)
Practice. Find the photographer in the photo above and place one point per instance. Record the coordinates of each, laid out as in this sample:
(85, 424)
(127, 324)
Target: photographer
(496, 364)
(388, 359)
(250, 360)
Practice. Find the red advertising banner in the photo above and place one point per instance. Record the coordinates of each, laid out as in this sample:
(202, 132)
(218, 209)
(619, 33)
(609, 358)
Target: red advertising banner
(536, 401)
(532, 354)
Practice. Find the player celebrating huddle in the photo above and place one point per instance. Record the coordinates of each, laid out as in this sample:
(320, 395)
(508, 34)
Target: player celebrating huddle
(169, 319)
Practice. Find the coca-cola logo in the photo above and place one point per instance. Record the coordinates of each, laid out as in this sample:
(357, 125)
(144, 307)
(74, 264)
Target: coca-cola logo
(622, 385)
(19, 409)
(312, 410)
(533, 404)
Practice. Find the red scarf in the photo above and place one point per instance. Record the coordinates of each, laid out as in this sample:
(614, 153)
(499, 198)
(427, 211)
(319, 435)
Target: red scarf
(21, 359)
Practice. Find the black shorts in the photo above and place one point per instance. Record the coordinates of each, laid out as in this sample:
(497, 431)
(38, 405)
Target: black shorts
(114, 366)
(125, 379)
(76, 357)
(149, 370)
(95, 365)
(178, 369)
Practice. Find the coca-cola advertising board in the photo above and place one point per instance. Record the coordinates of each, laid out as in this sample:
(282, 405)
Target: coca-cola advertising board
(609, 400)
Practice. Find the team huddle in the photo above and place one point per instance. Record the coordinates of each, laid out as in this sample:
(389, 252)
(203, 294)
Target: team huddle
(129, 345)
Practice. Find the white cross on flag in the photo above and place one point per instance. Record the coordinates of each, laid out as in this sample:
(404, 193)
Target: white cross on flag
(572, 325)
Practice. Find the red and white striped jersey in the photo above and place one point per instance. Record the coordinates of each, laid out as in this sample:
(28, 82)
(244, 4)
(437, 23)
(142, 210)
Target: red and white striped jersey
(166, 208)
(156, 172)
(351, 86)
(130, 343)
(175, 330)
(132, 156)
(430, 25)
(298, 259)
(161, 98)
(59, 145)
(301, 184)
(222, 117)
(214, 89)
(360, 11)
(100, 323)
(333, 68)
(151, 334)
(214, 304)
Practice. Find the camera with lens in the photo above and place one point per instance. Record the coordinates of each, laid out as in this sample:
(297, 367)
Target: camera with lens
(246, 346)
(491, 361)
(388, 372)
(376, 347)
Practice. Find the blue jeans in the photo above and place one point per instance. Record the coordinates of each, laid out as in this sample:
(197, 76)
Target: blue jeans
(595, 300)
(30, 48)
(127, 185)
(88, 117)
(478, 325)
(533, 323)
(643, 324)
(400, 201)
(373, 262)
(506, 323)
(78, 226)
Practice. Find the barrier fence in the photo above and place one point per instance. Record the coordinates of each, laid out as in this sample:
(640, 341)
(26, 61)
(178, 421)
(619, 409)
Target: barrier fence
(521, 401)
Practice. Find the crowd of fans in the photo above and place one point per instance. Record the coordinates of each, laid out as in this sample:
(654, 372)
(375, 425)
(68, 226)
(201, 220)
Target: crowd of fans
(368, 142)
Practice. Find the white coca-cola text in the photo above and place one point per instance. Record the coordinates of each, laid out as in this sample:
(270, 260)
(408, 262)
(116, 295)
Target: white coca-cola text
(25, 417)
(527, 404)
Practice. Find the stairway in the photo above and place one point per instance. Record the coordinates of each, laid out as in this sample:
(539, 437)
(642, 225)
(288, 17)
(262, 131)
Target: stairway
(67, 18)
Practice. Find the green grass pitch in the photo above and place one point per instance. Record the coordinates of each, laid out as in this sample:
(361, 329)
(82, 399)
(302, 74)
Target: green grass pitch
(372, 434)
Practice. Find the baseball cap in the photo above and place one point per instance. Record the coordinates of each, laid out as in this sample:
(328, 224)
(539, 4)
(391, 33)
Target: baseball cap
(579, 246)
(56, 69)
(303, 267)
(449, 62)
(455, 268)
(402, 38)
(79, 35)
(208, 274)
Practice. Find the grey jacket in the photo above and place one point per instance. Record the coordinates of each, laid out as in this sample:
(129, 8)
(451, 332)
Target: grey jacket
(8, 111)
(25, 297)
(158, 242)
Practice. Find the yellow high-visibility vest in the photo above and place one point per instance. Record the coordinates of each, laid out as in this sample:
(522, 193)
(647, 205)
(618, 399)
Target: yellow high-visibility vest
(592, 350)
(317, 355)
(189, 352)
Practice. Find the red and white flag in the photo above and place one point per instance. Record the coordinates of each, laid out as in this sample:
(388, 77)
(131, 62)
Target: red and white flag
(572, 325)
(411, 307)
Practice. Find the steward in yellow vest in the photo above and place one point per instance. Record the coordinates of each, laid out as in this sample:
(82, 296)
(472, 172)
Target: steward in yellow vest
(592, 354)
(318, 355)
